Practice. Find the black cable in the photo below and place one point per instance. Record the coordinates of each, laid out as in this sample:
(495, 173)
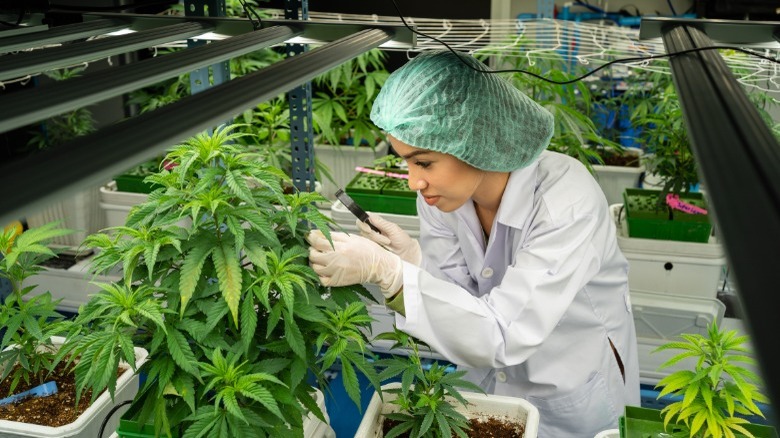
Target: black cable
(110, 413)
(622, 60)
(249, 11)
(18, 19)
(669, 2)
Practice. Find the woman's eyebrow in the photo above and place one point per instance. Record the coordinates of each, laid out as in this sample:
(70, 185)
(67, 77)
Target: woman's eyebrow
(414, 154)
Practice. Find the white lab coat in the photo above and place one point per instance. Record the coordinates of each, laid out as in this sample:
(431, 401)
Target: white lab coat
(532, 313)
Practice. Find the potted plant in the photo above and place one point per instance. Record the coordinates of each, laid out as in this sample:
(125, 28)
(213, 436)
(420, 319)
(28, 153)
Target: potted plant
(713, 397)
(384, 187)
(341, 110)
(428, 402)
(232, 315)
(31, 342)
(80, 212)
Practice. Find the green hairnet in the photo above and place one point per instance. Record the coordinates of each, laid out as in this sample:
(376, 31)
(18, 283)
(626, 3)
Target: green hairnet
(436, 102)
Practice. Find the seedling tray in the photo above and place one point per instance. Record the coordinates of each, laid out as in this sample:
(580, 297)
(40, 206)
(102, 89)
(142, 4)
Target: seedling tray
(646, 220)
(382, 194)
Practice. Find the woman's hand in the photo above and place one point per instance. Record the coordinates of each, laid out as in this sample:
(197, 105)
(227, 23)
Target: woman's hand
(353, 260)
(393, 238)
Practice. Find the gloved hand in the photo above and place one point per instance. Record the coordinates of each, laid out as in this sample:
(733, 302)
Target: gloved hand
(393, 237)
(352, 260)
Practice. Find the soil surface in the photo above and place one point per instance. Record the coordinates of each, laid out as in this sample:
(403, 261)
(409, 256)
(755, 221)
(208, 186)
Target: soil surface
(613, 159)
(480, 428)
(55, 410)
(64, 261)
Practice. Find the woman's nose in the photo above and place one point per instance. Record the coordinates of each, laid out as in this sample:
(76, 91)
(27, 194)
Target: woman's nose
(416, 183)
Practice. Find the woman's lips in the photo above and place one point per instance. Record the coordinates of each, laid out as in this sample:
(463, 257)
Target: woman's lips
(430, 200)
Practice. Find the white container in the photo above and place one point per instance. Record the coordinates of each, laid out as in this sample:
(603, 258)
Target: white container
(313, 427)
(88, 424)
(80, 212)
(480, 406)
(611, 433)
(73, 285)
(115, 205)
(345, 219)
(671, 267)
(341, 162)
(658, 316)
(615, 179)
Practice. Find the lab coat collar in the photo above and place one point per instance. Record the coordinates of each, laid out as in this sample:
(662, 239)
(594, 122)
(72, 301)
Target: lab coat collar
(518, 199)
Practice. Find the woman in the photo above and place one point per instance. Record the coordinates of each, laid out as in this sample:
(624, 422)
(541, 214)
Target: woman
(519, 279)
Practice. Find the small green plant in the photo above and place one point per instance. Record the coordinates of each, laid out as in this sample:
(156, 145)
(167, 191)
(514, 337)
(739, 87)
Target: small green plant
(427, 394)
(716, 390)
(64, 127)
(389, 161)
(29, 322)
(216, 286)
(341, 106)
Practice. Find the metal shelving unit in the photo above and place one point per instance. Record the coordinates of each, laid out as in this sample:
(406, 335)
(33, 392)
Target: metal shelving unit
(91, 160)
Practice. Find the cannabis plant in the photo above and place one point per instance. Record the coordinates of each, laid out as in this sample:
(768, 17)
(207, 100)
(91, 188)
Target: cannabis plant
(216, 286)
(343, 98)
(28, 322)
(67, 126)
(716, 390)
(427, 394)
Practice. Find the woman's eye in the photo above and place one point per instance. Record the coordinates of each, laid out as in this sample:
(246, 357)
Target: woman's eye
(423, 164)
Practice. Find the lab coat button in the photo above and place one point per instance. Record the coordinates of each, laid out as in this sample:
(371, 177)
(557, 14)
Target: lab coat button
(487, 272)
(501, 376)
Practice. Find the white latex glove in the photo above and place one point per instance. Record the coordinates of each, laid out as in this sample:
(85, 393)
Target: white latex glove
(393, 237)
(353, 260)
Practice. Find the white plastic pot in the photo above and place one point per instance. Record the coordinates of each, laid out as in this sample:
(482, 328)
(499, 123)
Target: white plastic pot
(313, 427)
(480, 406)
(79, 212)
(668, 266)
(88, 424)
(611, 433)
(72, 286)
(115, 205)
(614, 179)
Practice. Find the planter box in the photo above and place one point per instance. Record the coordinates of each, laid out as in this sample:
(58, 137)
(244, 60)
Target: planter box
(88, 424)
(646, 221)
(642, 423)
(80, 212)
(613, 180)
(480, 406)
(611, 433)
(342, 160)
(116, 204)
(664, 317)
(313, 427)
(134, 184)
(382, 194)
(670, 267)
(73, 285)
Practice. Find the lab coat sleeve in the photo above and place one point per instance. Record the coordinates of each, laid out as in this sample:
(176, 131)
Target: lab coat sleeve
(507, 325)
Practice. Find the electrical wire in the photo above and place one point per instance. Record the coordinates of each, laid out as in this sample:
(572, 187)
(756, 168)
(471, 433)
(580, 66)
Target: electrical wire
(249, 11)
(108, 416)
(579, 78)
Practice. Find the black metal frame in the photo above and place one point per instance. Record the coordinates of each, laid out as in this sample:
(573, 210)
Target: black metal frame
(739, 161)
(92, 160)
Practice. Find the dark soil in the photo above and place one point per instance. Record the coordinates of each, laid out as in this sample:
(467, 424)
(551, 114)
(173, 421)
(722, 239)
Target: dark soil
(613, 159)
(480, 428)
(55, 410)
(64, 260)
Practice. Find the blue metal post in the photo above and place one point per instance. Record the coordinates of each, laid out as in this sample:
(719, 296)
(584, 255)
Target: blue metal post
(299, 99)
(545, 8)
(220, 72)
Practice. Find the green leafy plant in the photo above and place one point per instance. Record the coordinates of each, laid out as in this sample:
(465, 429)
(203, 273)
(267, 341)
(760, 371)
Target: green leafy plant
(575, 133)
(64, 127)
(388, 161)
(341, 106)
(216, 286)
(29, 322)
(716, 390)
(427, 394)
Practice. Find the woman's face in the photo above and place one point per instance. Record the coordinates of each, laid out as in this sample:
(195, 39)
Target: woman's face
(444, 181)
